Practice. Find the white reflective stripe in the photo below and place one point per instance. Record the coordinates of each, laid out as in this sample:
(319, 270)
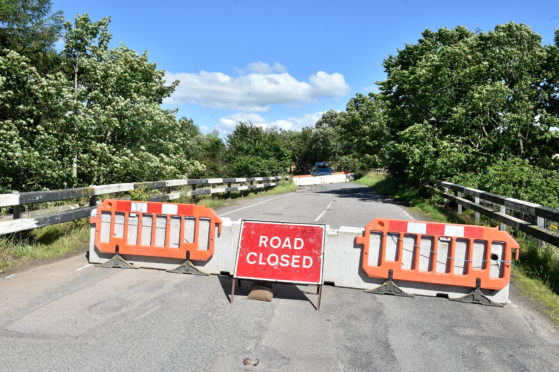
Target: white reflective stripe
(417, 228)
(139, 207)
(457, 231)
(9, 199)
(169, 209)
(171, 183)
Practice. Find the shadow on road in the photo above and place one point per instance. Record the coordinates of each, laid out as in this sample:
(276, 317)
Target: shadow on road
(362, 193)
(284, 291)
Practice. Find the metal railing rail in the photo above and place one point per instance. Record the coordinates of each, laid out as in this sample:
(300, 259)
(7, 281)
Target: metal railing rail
(16, 200)
(483, 203)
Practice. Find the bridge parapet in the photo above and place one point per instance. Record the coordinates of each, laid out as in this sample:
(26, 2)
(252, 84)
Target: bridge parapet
(18, 221)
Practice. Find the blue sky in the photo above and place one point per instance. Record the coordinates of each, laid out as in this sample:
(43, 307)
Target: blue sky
(283, 63)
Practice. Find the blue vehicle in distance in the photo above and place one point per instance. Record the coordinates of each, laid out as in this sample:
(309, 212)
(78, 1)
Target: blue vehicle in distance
(321, 169)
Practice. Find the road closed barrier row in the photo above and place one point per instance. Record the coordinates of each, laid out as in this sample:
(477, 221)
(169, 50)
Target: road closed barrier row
(420, 258)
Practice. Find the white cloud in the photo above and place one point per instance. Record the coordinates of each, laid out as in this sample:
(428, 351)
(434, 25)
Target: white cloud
(325, 84)
(230, 122)
(205, 129)
(298, 123)
(255, 91)
(264, 68)
(227, 124)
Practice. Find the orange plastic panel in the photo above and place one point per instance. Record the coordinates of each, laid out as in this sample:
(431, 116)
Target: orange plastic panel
(431, 251)
(155, 229)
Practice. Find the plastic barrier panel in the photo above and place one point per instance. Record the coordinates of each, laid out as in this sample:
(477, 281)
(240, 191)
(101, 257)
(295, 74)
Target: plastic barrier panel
(438, 253)
(156, 229)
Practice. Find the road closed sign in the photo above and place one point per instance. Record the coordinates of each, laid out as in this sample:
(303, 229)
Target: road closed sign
(283, 252)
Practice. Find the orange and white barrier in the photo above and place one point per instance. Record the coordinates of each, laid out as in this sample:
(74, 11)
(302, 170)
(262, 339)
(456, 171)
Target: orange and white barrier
(438, 253)
(337, 177)
(154, 229)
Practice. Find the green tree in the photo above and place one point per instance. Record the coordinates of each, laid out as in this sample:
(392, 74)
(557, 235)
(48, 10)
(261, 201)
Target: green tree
(253, 151)
(298, 144)
(458, 101)
(363, 133)
(97, 120)
(29, 28)
(33, 109)
(210, 151)
(325, 143)
(119, 129)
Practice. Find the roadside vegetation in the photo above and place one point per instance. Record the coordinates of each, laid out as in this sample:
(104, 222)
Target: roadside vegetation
(40, 245)
(535, 275)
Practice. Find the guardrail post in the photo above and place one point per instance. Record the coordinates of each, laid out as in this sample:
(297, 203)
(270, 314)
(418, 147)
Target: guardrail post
(459, 194)
(193, 194)
(166, 193)
(477, 213)
(445, 190)
(92, 198)
(16, 209)
(228, 192)
(541, 224)
(503, 210)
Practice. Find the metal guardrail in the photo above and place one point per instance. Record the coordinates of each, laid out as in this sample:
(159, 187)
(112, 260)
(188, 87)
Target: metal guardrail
(482, 204)
(17, 200)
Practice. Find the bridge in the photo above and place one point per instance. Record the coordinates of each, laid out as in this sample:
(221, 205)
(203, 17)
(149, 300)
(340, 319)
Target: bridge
(73, 315)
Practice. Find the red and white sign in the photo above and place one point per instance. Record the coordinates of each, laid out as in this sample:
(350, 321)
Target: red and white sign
(417, 227)
(280, 252)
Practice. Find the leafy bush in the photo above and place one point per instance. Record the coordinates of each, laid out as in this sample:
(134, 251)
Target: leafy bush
(516, 178)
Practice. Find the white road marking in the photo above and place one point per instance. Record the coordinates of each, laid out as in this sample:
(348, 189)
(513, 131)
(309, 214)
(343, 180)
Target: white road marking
(320, 216)
(83, 267)
(10, 276)
(252, 205)
(155, 308)
(407, 214)
(324, 211)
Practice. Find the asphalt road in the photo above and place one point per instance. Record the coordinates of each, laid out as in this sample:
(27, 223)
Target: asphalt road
(345, 204)
(69, 315)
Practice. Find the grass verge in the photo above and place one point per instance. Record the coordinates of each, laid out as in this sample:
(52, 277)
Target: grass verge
(410, 196)
(536, 275)
(39, 245)
(42, 244)
(544, 299)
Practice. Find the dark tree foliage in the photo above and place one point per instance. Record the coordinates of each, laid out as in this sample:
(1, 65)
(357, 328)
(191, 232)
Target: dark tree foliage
(253, 151)
(94, 119)
(29, 28)
(457, 102)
